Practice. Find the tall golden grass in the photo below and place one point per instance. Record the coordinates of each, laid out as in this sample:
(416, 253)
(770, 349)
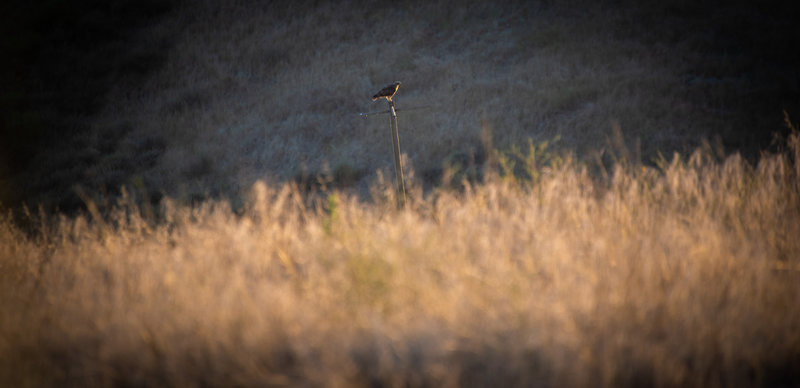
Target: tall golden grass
(685, 275)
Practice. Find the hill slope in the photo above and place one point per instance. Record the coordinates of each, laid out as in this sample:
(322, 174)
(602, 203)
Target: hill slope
(248, 90)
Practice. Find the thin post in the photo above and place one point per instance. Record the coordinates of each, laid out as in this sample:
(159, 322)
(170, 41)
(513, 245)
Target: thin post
(398, 165)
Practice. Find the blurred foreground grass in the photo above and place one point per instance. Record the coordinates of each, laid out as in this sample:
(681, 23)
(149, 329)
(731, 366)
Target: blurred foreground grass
(685, 275)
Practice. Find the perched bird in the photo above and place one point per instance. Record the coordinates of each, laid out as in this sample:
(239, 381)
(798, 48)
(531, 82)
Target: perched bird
(387, 92)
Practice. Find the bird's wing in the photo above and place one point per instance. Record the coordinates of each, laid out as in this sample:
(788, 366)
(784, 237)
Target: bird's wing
(387, 91)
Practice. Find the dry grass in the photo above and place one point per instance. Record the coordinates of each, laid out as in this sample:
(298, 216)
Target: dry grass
(675, 273)
(686, 275)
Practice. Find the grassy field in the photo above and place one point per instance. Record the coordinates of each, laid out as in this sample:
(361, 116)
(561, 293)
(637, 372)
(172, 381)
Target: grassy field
(601, 194)
(684, 275)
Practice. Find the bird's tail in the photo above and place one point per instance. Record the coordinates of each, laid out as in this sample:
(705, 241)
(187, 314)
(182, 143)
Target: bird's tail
(375, 97)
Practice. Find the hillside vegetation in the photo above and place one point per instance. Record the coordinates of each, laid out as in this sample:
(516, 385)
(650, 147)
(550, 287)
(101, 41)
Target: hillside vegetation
(686, 275)
(201, 98)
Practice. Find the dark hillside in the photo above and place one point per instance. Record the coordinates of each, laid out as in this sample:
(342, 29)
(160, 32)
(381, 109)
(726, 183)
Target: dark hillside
(206, 97)
(61, 58)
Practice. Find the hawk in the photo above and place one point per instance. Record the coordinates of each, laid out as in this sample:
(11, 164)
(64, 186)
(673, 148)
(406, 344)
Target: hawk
(387, 92)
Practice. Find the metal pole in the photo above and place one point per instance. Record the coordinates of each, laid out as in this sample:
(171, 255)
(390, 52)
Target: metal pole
(398, 166)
